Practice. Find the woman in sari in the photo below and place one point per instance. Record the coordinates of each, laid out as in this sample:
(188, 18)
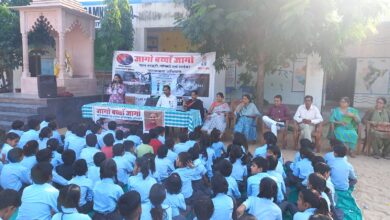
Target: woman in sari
(346, 121)
(117, 90)
(216, 115)
(246, 113)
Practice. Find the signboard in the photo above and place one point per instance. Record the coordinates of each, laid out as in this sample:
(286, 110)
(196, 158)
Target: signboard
(146, 73)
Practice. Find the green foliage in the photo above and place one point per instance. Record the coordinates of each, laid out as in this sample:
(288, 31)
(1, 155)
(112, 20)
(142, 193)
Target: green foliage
(16, 2)
(116, 33)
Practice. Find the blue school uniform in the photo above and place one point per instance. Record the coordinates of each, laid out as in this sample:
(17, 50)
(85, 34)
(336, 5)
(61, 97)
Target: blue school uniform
(253, 183)
(340, 173)
(297, 158)
(239, 170)
(303, 169)
(94, 174)
(180, 147)
(57, 136)
(280, 182)
(330, 186)
(146, 207)
(190, 144)
(4, 151)
(218, 147)
(199, 170)
(263, 208)
(37, 202)
(14, 175)
(86, 190)
(328, 157)
(261, 151)
(56, 159)
(43, 124)
(280, 169)
(87, 154)
(186, 175)
(172, 156)
(176, 202)
(106, 194)
(18, 132)
(70, 214)
(209, 163)
(305, 215)
(68, 137)
(161, 139)
(77, 144)
(141, 185)
(233, 190)
(223, 207)
(58, 178)
(130, 157)
(135, 139)
(164, 167)
(124, 168)
(28, 136)
(42, 143)
(29, 162)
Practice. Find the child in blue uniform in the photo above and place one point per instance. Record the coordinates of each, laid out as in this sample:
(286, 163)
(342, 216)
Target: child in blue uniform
(184, 170)
(142, 181)
(17, 127)
(90, 150)
(94, 170)
(175, 198)
(154, 208)
(309, 203)
(31, 134)
(14, 175)
(164, 166)
(342, 173)
(259, 170)
(225, 168)
(223, 204)
(85, 184)
(11, 141)
(129, 205)
(216, 142)
(29, 151)
(124, 166)
(9, 202)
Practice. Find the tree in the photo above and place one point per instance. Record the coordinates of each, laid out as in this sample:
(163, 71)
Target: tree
(264, 33)
(116, 32)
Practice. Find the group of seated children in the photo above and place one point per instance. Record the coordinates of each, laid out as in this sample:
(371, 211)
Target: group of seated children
(111, 174)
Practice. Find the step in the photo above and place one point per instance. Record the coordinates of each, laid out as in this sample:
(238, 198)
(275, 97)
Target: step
(21, 108)
(37, 101)
(12, 116)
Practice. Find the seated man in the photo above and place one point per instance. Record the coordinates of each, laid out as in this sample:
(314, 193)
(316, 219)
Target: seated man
(307, 117)
(378, 122)
(167, 100)
(277, 117)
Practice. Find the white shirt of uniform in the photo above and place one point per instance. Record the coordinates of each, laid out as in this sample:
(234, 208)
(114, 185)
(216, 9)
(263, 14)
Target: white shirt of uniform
(4, 151)
(87, 154)
(167, 102)
(263, 208)
(70, 214)
(312, 114)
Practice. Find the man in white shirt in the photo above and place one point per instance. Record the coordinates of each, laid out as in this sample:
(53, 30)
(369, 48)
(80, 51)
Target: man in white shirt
(167, 100)
(307, 117)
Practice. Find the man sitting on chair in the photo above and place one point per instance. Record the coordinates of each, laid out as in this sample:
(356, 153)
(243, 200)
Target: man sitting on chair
(277, 116)
(307, 117)
(167, 100)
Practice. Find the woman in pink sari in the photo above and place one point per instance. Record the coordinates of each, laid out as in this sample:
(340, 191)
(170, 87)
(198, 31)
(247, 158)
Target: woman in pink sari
(216, 115)
(117, 90)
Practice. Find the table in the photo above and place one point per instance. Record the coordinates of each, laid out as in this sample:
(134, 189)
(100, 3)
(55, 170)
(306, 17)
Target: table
(180, 119)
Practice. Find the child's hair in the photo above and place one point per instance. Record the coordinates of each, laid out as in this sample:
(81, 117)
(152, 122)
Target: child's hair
(317, 159)
(204, 208)
(128, 204)
(133, 131)
(306, 143)
(128, 145)
(80, 130)
(321, 168)
(53, 144)
(157, 196)
(224, 167)
(194, 151)
(219, 184)
(184, 158)
(91, 140)
(11, 136)
(240, 140)
(45, 133)
(108, 169)
(160, 130)
(144, 165)
(41, 172)
(318, 182)
(119, 135)
(215, 134)
(193, 136)
(153, 133)
(9, 198)
(108, 139)
(80, 167)
(260, 162)
(146, 138)
(162, 152)
(247, 217)
(268, 189)
(183, 137)
(17, 125)
(43, 155)
(235, 153)
(173, 184)
(68, 156)
(169, 142)
(151, 158)
(315, 200)
(33, 124)
(15, 155)
(334, 142)
(320, 217)
(95, 128)
(30, 148)
(306, 152)
(111, 125)
(272, 162)
(52, 125)
(98, 158)
(69, 197)
(340, 150)
(118, 150)
(275, 150)
(270, 138)
(50, 117)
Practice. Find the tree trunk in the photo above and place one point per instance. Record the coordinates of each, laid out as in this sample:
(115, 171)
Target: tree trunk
(260, 81)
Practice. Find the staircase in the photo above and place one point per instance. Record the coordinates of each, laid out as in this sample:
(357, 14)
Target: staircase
(19, 108)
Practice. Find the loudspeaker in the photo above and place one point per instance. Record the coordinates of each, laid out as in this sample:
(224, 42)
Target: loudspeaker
(47, 86)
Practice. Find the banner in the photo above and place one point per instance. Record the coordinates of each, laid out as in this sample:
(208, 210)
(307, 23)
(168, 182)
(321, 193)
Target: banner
(117, 113)
(145, 73)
